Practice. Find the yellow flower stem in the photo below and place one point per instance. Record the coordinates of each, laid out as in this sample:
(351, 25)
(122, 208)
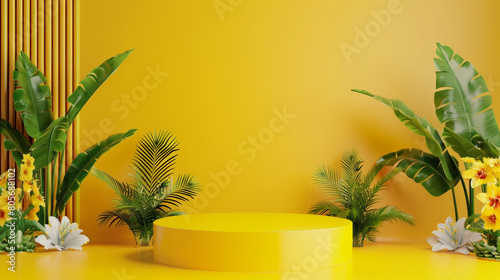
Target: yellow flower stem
(52, 189)
(484, 188)
(26, 212)
(447, 172)
(471, 192)
(49, 190)
(454, 202)
(59, 174)
(470, 211)
(42, 214)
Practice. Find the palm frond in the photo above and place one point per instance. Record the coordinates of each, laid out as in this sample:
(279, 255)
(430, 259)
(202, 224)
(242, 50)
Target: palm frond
(372, 235)
(325, 208)
(351, 165)
(185, 188)
(170, 213)
(328, 180)
(372, 174)
(382, 181)
(388, 214)
(154, 158)
(122, 189)
(119, 218)
(344, 214)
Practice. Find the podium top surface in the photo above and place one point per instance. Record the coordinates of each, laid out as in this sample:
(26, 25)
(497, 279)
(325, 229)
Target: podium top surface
(252, 222)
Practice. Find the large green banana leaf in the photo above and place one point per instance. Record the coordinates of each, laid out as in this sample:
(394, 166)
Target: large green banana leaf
(81, 166)
(462, 100)
(50, 142)
(91, 83)
(14, 141)
(489, 148)
(418, 125)
(423, 168)
(415, 123)
(461, 145)
(32, 99)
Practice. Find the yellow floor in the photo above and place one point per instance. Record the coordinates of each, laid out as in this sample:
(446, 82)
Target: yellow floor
(383, 260)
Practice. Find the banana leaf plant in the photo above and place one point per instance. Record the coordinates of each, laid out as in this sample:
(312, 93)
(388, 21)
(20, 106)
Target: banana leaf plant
(463, 104)
(33, 100)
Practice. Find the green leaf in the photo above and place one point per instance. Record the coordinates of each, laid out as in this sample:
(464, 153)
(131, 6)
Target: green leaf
(91, 83)
(154, 158)
(417, 124)
(486, 146)
(81, 166)
(462, 100)
(34, 225)
(325, 208)
(122, 189)
(462, 146)
(32, 99)
(14, 141)
(184, 188)
(50, 142)
(119, 218)
(423, 168)
(328, 180)
(389, 214)
(171, 213)
(4, 231)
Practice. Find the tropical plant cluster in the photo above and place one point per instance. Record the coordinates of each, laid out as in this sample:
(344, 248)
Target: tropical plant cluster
(353, 197)
(485, 174)
(463, 105)
(19, 208)
(47, 142)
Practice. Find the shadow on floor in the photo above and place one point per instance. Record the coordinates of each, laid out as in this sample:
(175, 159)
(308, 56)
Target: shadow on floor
(143, 255)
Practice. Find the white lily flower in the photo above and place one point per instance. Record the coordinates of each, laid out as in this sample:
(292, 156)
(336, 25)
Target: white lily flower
(453, 237)
(62, 236)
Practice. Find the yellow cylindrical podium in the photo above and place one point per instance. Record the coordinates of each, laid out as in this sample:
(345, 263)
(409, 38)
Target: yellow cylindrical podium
(252, 242)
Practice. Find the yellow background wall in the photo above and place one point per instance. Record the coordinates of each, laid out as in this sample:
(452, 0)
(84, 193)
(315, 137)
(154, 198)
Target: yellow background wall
(229, 72)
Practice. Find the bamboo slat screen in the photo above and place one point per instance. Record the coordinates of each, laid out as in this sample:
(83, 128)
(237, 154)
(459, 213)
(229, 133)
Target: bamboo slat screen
(48, 32)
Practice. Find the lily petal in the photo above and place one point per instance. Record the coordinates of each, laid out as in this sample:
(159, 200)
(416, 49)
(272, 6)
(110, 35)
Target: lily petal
(463, 250)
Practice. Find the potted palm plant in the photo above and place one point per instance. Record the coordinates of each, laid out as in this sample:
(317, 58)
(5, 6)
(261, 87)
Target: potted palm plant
(353, 195)
(152, 192)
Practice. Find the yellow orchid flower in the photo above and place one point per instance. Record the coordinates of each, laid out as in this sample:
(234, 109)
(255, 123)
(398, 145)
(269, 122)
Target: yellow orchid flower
(29, 161)
(480, 174)
(468, 160)
(491, 219)
(494, 163)
(26, 174)
(491, 199)
(4, 216)
(4, 198)
(32, 214)
(28, 186)
(37, 200)
(35, 189)
(18, 201)
(3, 180)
